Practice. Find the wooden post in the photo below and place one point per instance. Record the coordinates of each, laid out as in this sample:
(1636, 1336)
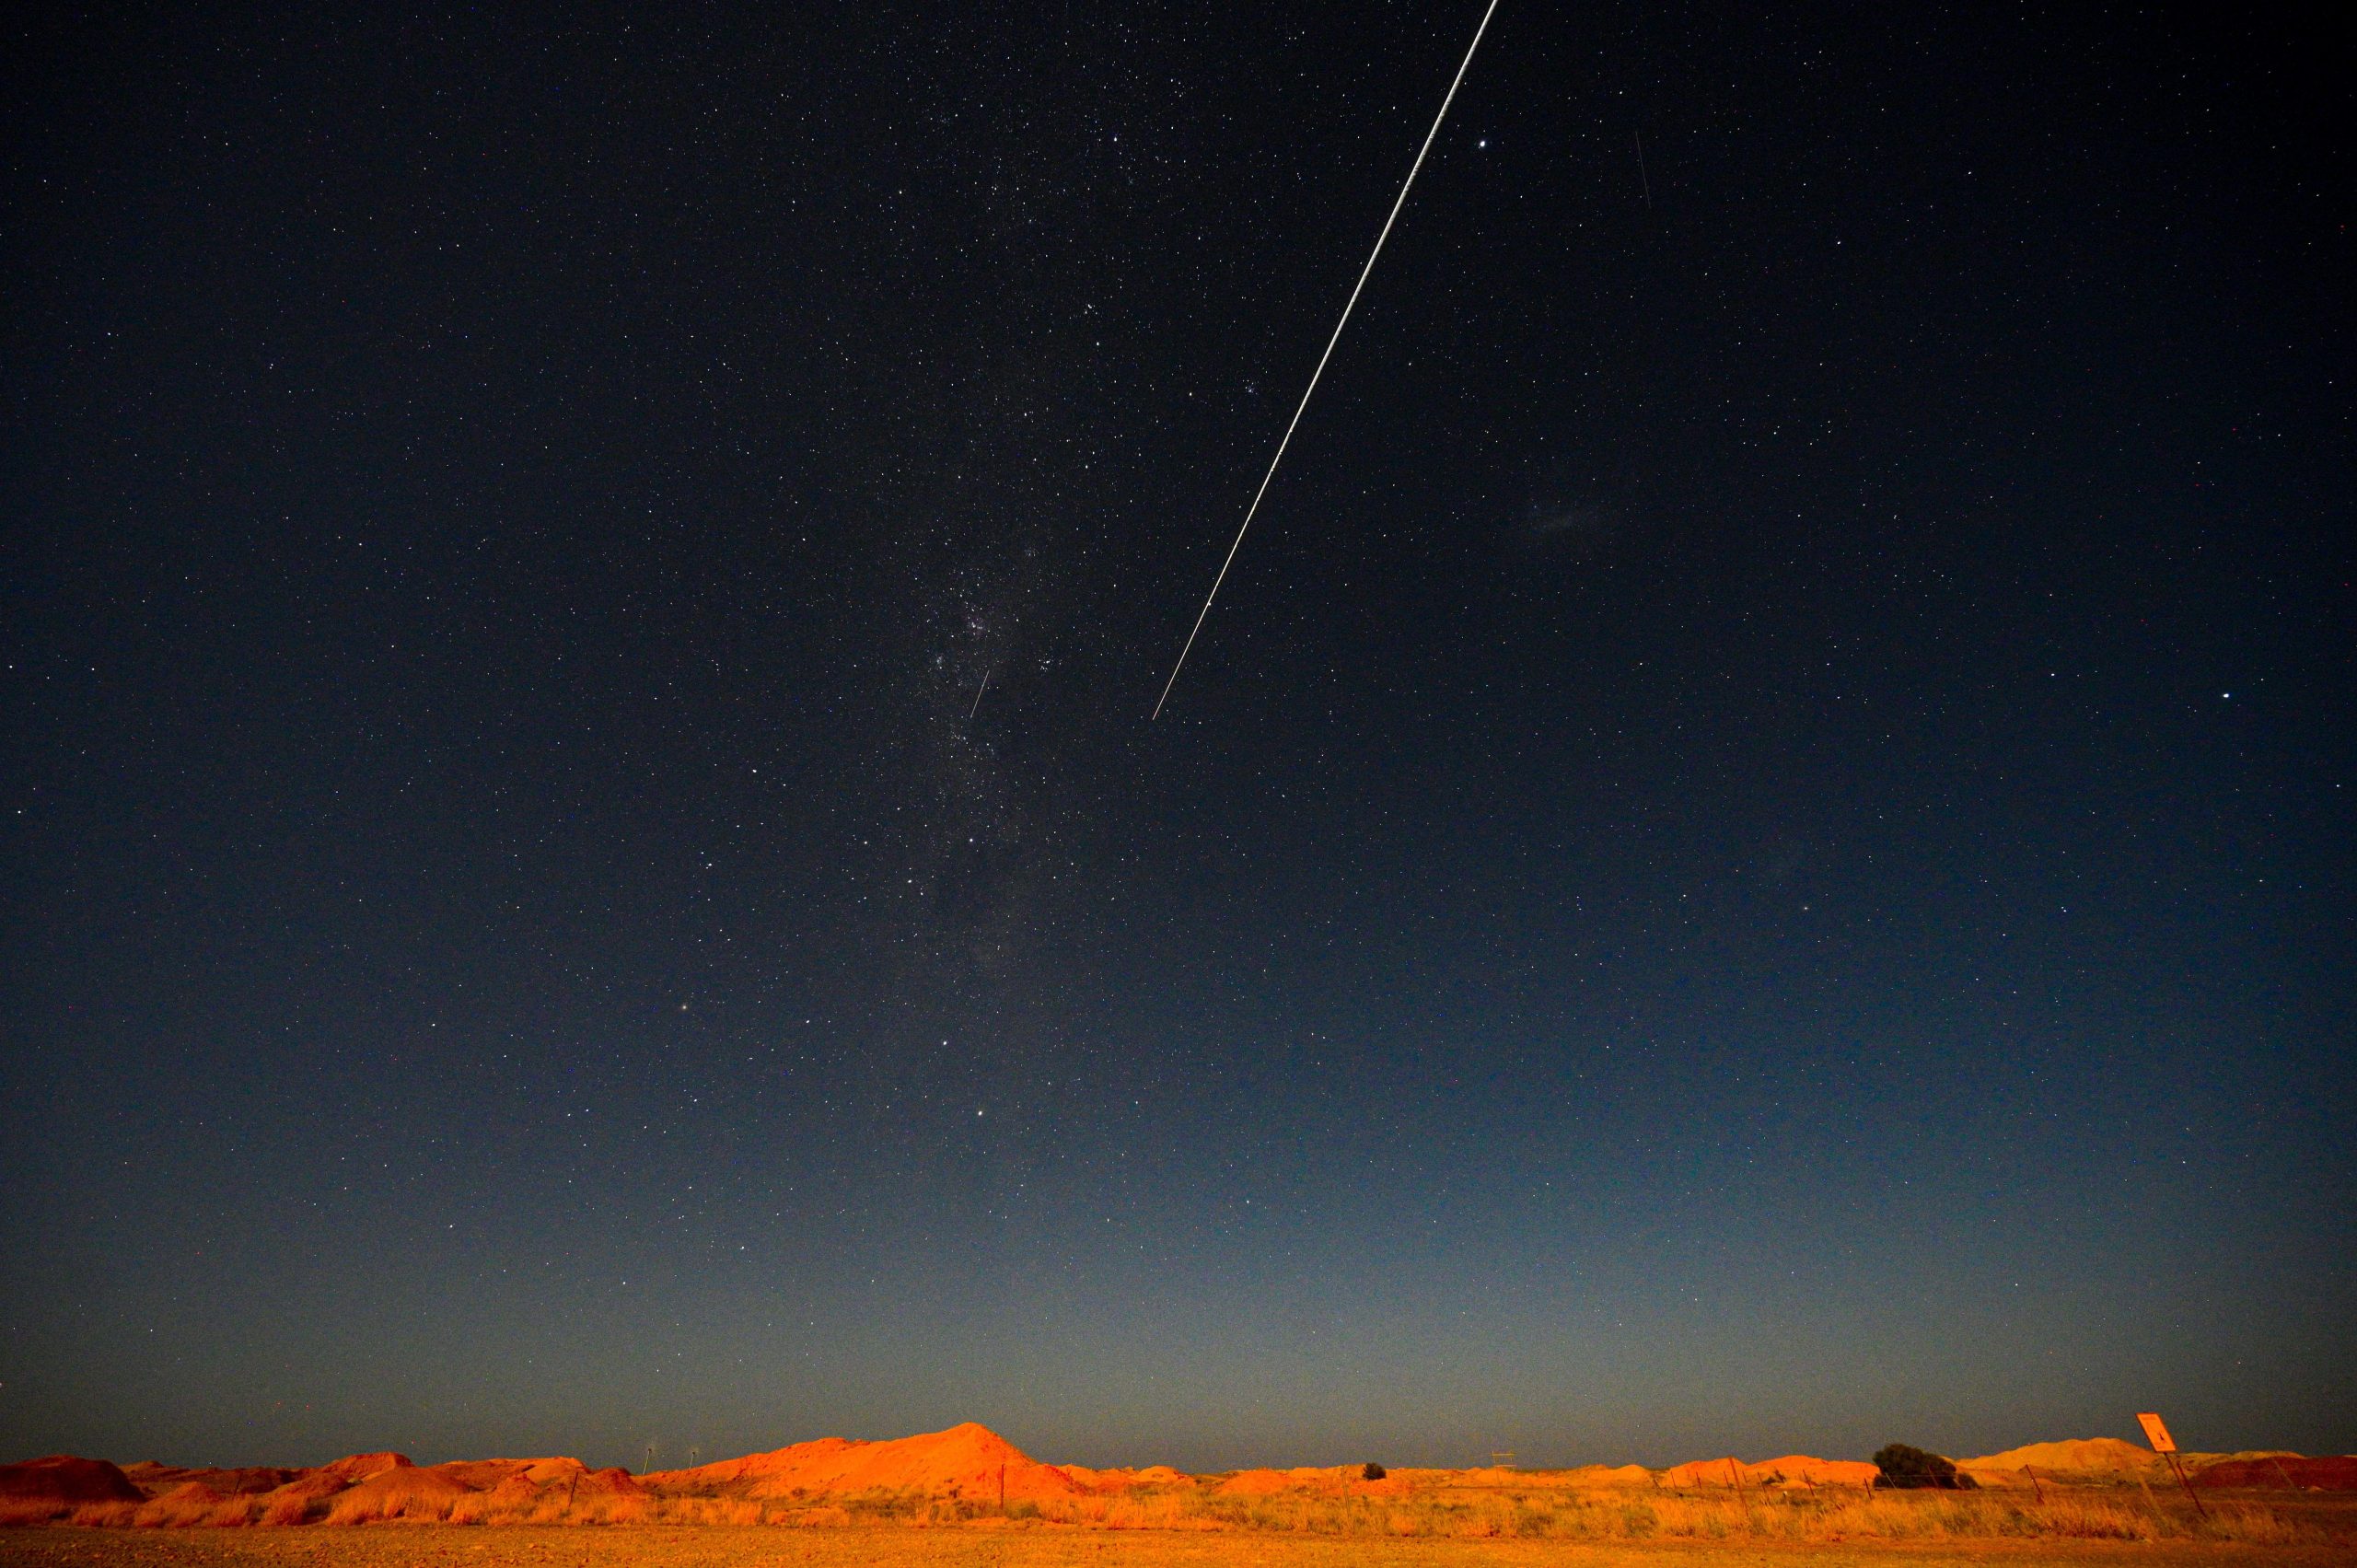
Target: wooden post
(2033, 1485)
(2188, 1487)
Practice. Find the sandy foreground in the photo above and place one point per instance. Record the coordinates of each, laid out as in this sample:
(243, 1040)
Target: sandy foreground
(444, 1545)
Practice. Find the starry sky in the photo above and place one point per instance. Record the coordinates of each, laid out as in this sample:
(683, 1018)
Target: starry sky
(1755, 856)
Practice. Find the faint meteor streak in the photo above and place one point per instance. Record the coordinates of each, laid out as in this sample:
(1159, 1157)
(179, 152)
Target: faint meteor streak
(1252, 510)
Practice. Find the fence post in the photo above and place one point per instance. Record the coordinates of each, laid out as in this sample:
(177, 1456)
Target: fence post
(2188, 1487)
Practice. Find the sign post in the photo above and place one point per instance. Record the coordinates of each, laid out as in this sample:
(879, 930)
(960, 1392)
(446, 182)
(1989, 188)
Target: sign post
(2164, 1445)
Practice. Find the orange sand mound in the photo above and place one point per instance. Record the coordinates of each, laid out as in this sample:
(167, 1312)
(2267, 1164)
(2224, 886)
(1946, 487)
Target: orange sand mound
(612, 1482)
(484, 1474)
(2072, 1456)
(512, 1500)
(312, 1485)
(359, 1466)
(1120, 1479)
(1262, 1483)
(1312, 1478)
(479, 1475)
(1609, 1475)
(190, 1503)
(1803, 1469)
(65, 1480)
(1792, 1470)
(519, 1490)
(303, 1499)
(1527, 1481)
(967, 1460)
(402, 1492)
(1480, 1475)
(156, 1479)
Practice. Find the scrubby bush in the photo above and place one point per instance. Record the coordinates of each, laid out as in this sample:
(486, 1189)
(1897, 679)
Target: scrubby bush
(1901, 1468)
(1372, 1472)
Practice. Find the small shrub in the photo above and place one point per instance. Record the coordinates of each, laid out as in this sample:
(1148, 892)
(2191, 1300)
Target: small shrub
(1371, 1471)
(1902, 1469)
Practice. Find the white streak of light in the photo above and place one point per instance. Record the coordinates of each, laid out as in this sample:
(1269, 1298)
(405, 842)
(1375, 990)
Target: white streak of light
(1252, 510)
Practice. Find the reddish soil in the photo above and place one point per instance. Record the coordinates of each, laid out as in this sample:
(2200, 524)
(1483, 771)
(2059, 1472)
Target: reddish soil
(2325, 1473)
(62, 1479)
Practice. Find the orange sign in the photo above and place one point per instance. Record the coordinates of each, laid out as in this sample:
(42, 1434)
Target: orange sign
(2155, 1434)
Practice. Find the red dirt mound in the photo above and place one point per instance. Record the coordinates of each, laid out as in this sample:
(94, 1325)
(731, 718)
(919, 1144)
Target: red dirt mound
(302, 1498)
(190, 1503)
(313, 1484)
(1609, 1475)
(243, 1482)
(1802, 1469)
(360, 1467)
(1310, 1478)
(480, 1475)
(519, 1490)
(1123, 1478)
(2329, 1473)
(1792, 1470)
(63, 1479)
(969, 1460)
(403, 1492)
(513, 1501)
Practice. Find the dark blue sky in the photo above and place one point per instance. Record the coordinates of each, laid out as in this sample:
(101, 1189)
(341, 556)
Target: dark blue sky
(1755, 855)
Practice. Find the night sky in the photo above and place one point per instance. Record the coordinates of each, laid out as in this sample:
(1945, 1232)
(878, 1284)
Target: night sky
(1755, 856)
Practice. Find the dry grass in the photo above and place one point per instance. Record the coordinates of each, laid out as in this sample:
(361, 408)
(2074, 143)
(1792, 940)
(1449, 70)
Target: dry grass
(1539, 1513)
(1821, 1514)
(194, 1504)
(1045, 1546)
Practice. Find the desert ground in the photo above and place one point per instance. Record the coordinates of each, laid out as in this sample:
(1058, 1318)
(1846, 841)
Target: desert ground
(453, 1545)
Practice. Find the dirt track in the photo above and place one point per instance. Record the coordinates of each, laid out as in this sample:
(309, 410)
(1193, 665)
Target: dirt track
(436, 1546)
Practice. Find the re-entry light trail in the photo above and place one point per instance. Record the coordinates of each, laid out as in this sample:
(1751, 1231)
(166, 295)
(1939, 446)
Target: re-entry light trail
(1250, 512)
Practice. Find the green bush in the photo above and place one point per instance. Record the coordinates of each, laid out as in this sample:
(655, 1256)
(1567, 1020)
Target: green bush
(1372, 1472)
(1901, 1468)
